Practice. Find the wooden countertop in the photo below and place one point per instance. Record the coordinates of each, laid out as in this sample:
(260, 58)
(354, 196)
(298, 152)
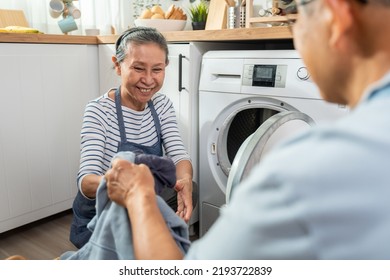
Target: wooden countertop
(225, 35)
(238, 34)
(47, 39)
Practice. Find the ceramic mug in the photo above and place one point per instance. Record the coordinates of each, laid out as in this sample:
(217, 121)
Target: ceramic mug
(56, 7)
(67, 24)
(73, 11)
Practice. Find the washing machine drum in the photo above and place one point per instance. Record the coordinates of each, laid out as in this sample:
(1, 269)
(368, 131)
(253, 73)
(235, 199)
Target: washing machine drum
(243, 137)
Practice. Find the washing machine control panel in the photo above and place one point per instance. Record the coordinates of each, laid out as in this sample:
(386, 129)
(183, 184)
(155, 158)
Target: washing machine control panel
(264, 75)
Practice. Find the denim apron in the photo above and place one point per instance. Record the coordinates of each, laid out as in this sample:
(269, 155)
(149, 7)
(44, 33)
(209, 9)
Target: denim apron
(84, 209)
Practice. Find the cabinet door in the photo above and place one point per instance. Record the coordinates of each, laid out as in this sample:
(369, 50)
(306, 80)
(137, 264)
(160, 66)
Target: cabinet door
(181, 85)
(107, 75)
(44, 91)
(176, 87)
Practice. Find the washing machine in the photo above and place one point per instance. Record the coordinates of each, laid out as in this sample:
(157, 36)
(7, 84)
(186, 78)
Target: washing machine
(239, 92)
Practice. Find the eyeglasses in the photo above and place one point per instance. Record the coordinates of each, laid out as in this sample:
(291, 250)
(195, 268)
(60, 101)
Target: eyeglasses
(291, 12)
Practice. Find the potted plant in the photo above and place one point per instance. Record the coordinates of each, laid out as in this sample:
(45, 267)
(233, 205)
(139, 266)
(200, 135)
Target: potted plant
(198, 14)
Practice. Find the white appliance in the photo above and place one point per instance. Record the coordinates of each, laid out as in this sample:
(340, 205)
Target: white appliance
(238, 92)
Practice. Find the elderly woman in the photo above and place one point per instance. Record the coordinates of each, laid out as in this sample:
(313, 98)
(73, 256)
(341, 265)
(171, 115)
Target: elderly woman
(133, 117)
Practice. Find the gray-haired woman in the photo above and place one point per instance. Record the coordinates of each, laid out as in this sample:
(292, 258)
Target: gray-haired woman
(133, 117)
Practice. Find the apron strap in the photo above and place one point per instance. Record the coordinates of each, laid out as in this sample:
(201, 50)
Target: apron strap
(119, 114)
(121, 124)
(156, 119)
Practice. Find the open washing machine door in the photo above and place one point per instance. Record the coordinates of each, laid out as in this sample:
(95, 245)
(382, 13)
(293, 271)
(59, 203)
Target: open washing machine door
(260, 142)
(233, 125)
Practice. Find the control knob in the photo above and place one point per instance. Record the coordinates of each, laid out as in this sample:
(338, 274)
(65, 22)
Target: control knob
(303, 74)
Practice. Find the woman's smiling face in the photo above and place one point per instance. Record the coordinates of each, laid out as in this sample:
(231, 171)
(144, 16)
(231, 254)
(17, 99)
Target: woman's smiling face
(142, 73)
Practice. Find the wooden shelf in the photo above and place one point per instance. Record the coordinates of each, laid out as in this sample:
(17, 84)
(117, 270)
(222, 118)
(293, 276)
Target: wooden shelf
(250, 19)
(269, 19)
(224, 35)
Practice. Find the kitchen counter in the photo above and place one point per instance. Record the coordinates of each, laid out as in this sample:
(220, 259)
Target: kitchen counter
(47, 39)
(225, 35)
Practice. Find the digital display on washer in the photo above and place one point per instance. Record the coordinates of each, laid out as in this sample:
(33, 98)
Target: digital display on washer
(264, 75)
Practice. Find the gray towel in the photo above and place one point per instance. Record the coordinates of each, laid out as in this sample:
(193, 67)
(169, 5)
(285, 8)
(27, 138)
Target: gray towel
(162, 168)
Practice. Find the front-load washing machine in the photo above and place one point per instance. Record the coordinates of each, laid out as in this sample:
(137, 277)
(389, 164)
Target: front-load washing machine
(238, 92)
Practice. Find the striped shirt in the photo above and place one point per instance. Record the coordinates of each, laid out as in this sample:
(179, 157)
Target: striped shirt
(100, 136)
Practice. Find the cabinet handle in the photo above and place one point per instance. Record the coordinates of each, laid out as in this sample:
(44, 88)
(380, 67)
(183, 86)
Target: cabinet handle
(181, 72)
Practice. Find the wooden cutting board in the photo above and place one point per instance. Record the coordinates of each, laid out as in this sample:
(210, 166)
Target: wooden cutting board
(216, 18)
(12, 18)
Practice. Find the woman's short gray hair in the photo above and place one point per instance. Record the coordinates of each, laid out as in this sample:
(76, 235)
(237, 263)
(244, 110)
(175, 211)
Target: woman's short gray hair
(139, 35)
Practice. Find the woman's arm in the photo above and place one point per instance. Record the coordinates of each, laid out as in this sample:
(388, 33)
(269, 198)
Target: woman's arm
(92, 149)
(132, 186)
(90, 184)
(174, 148)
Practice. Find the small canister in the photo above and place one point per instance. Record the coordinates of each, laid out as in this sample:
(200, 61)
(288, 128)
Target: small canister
(231, 17)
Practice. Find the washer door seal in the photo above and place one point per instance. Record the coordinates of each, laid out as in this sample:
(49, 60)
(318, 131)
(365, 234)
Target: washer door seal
(255, 146)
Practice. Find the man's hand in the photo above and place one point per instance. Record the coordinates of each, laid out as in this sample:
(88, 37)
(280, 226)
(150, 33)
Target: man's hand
(125, 178)
(132, 186)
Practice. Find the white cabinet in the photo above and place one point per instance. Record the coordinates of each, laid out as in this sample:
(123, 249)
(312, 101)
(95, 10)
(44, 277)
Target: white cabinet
(107, 75)
(182, 90)
(44, 89)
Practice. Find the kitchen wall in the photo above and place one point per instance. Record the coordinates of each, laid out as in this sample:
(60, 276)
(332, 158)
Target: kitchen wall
(100, 14)
(139, 5)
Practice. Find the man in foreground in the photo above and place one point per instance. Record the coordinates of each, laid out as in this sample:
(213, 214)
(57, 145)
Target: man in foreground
(324, 194)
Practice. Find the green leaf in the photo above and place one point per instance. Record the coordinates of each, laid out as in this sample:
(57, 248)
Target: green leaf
(199, 12)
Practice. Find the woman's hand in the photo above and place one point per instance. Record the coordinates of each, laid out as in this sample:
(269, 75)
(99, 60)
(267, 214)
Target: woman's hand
(125, 179)
(184, 189)
(184, 199)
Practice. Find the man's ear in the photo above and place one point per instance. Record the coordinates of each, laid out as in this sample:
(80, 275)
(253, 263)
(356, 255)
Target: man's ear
(116, 65)
(340, 20)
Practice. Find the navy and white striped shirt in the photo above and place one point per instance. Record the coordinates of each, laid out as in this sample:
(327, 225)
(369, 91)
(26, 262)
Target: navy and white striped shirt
(100, 135)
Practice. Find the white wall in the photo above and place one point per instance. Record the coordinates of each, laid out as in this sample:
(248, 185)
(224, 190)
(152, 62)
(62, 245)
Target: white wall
(140, 5)
(100, 14)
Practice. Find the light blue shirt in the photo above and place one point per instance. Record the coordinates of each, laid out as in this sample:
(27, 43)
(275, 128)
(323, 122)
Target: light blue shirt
(323, 195)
